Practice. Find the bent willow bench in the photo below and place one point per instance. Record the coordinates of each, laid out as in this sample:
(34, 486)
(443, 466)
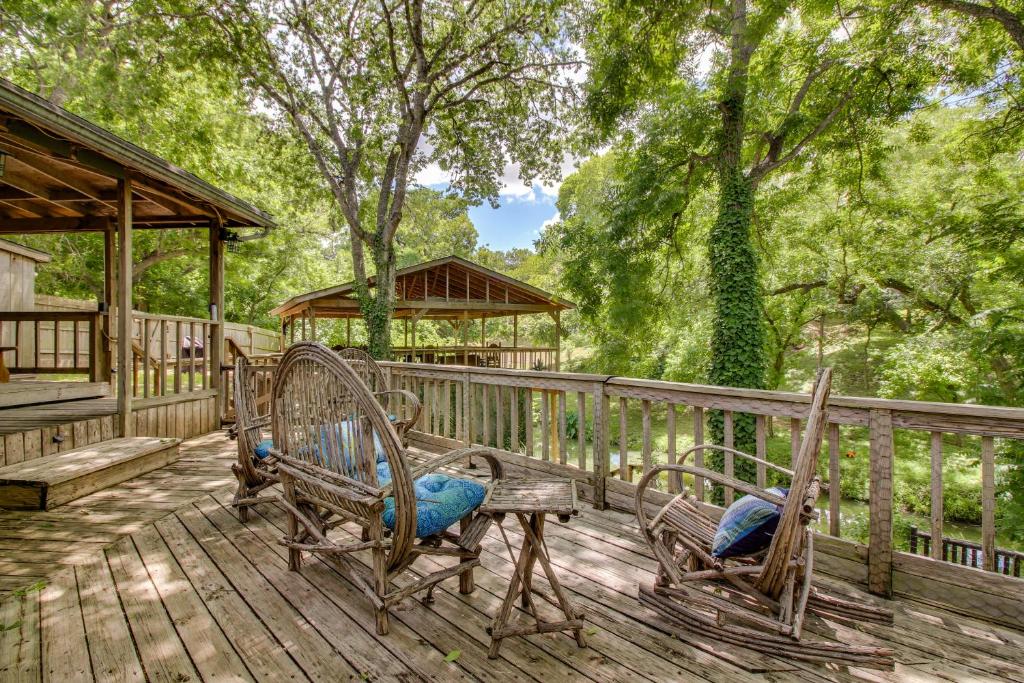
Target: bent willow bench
(340, 459)
(256, 468)
(716, 578)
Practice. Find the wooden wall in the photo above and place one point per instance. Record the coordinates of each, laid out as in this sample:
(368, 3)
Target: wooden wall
(183, 420)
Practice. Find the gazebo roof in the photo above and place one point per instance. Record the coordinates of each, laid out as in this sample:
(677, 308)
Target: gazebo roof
(60, 174)
(448, 288)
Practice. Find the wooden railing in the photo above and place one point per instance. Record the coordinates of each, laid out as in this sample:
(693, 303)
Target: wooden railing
(512, 357)
(966, 553)
(171, 355)
(51, 342)
(527, 413)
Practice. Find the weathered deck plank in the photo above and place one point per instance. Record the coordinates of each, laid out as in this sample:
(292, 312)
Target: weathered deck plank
(167, 584)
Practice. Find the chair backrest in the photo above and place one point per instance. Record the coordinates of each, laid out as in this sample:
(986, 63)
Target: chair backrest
(327, 422)
(366, 367)
(244, 393)
(803, 492)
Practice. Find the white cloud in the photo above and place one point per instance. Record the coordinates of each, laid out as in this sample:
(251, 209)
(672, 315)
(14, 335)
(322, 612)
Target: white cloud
(549, 222)
(432, 174)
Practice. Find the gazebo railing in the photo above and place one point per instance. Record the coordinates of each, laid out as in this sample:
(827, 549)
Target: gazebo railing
(510, 357)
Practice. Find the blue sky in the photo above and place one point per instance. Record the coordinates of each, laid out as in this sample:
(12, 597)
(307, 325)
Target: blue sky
(522, 213)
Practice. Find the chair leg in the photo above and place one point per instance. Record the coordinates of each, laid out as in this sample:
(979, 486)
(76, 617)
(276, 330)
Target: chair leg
(294, 554)
(380, 575)
(466, 583)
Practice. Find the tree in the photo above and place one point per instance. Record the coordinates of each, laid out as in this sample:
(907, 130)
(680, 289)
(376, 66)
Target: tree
(730, 93)
(377, 90)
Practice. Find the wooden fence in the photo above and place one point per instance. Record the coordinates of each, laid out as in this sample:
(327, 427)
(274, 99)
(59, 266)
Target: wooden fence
(966, 553)
(526, 414)
(51, 342)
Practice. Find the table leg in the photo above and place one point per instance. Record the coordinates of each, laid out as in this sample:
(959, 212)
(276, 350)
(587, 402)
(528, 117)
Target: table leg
(501, 618)
(536, 523)
(572, 622)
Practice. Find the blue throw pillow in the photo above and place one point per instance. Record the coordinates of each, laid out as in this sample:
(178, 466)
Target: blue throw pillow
(263, 449)
(342, 438)
(747, 526)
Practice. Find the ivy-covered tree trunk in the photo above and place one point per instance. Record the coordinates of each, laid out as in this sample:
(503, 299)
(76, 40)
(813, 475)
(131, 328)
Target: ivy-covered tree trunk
(737, 342)
(377, 307)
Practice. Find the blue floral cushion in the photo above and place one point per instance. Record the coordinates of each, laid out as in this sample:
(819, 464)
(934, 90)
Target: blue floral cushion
(747, 526)
(440, 501)
(263, 449)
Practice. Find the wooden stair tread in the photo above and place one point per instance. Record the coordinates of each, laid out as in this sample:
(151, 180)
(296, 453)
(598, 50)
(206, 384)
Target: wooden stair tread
(33, 392)
(43, 483)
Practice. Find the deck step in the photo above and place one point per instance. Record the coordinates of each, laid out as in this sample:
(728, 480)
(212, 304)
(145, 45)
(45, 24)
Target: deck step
(45, 483)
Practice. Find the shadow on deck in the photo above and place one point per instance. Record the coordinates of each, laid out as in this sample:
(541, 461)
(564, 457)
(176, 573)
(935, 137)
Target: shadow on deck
(156, 579)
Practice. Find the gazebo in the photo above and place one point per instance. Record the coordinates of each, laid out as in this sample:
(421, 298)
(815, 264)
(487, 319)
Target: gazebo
(451, 289)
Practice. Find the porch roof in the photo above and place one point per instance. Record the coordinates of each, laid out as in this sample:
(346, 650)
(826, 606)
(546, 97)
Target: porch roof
(60, 174)
(448, 288)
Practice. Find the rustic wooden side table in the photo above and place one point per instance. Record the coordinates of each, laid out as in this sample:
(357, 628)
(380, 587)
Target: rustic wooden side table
(536, 499)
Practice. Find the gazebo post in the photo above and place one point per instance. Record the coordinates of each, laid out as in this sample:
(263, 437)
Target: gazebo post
(124, 307)
(216, 310)
(465, 338)
(104, 359)
(412, 354)
(348, 331)
(312, 324)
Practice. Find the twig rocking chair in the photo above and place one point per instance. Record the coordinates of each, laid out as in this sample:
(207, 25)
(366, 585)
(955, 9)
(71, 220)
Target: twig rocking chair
(256, 468)
(403, 407)
(341, 460)
(755, 600)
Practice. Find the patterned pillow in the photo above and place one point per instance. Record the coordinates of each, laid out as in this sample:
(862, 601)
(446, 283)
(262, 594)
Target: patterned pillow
(440, 502)
(747, 526)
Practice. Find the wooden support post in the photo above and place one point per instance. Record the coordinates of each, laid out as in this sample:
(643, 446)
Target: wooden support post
(125, 423)
(515, 341)
(312, 324)
(988, 505)
(216, 351)
(936, 511)
(465, 333)
(348, 331)
(600, 466)
(105, 336)
(880, 503)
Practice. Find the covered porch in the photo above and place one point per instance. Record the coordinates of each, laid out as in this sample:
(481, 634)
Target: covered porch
(61, 174)
(451, 290)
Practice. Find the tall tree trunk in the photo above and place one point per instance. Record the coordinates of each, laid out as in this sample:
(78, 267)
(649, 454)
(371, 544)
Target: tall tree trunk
(738, 336)
(377, 309)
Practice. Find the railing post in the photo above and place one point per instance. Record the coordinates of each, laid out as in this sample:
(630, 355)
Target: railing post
(99, 352)
(601, 409)
(880, 503)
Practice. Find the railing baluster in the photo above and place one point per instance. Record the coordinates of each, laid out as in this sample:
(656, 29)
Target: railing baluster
(834, 488)
(698, 456)
(499, 415)
(563, 446)
(192, 357)
(514, 417)
(795, 438)
(670, 429)
(485, 390)
(74, 345)
(163, 362)
(145, 357)
(528, 416)
(988, 504)
(545, 426)
(581, 430)
(729, 457)
(446, 409)
(761, 449)
(624, 473)
(645, 452)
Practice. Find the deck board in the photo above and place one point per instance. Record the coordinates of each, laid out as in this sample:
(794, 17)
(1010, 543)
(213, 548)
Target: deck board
(165, 583)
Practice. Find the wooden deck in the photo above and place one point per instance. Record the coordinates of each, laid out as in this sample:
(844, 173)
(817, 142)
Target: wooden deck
(156, 579)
